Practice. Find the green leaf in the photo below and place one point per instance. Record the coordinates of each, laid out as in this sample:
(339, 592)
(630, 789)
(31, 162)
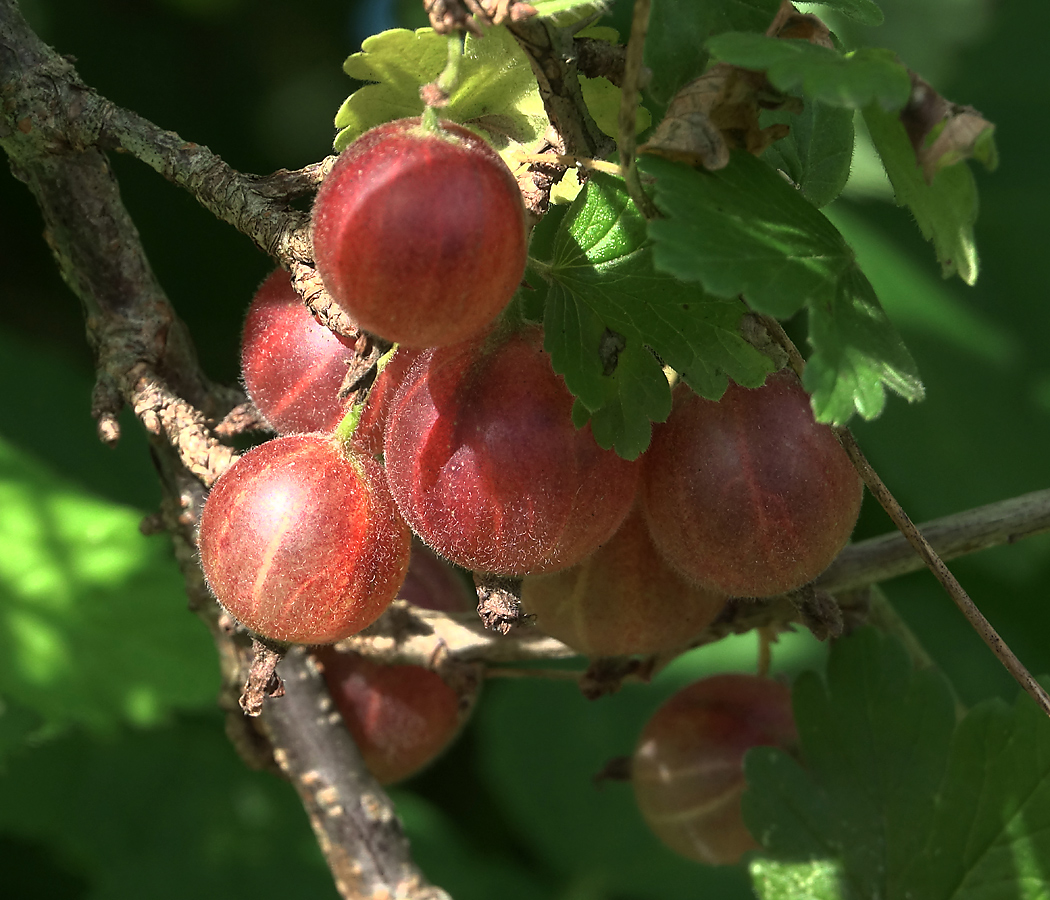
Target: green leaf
(991, 831)
(944, 210)
(863, 11)
(874, 739)
(743, 230)
(173, 800)
(896, 798)
(856, 350)
(678, 30)
(852, 81)
(496, 93)
(607, 307)
(813, 880)
(93, 616)
(603, 103)
(817, 152)
(565, 11)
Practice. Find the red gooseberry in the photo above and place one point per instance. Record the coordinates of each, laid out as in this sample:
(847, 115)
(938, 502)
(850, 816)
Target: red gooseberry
(419, 233)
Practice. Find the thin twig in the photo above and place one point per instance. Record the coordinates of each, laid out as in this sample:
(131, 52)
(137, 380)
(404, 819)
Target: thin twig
(598, 165)
(629, 109)
(247, 202)
(408, 635)
(937, 565)
(920, 544)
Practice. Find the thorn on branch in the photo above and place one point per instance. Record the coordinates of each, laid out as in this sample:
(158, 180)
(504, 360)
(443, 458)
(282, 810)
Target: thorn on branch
(307, 283)
(601, 59)
(286, 184)
(242, 419)
(362, 371)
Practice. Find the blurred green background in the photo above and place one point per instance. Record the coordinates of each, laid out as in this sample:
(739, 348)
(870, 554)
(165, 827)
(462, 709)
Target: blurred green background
(116, 779)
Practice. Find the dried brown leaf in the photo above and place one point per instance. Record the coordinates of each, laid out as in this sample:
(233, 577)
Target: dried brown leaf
(942, 133)
(789, 23)
(718, 112)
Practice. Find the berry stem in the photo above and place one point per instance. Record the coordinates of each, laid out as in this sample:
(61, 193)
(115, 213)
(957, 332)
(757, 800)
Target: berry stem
(344, 431)
(430, 121)
(449, 77)
(632, 75)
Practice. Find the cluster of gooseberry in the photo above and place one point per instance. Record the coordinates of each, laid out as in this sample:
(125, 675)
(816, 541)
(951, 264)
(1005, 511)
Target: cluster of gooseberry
(466, 440)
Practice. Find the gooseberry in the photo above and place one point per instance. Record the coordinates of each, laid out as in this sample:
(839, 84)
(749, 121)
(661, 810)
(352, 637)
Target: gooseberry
(419, 233)
(300, 541)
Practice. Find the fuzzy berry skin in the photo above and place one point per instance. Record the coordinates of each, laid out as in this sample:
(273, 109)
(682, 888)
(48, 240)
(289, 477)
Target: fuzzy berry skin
(301, 542)
(420, 235)
(687, 769)
(749, 496)
(292, 365)
(623, 599)
(485, 464)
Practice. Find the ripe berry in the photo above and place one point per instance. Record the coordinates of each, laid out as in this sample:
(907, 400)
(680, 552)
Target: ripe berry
(419, 234)
(486, 466)
(432, 583)
(292, 365)
(401, 717)
(622, 599)
(749, 496)
(301, 542)
(687, 769)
